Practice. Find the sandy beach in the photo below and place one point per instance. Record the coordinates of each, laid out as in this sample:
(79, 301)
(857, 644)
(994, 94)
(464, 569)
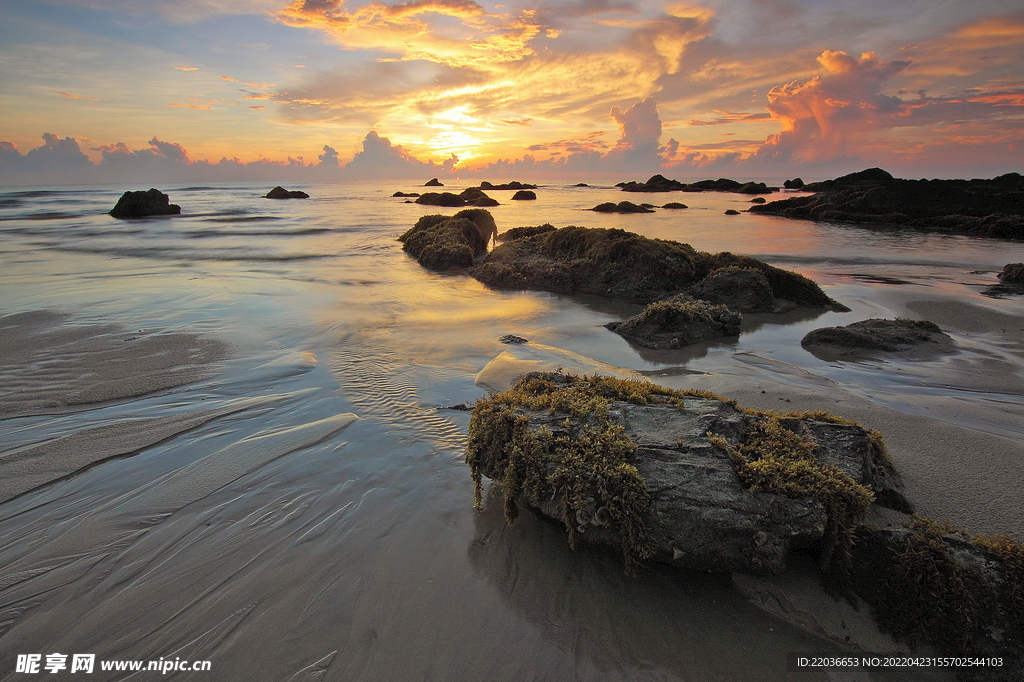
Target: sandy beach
(236, 449)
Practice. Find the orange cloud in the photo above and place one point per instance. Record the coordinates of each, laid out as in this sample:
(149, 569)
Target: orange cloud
(70, 96)
(187, 68)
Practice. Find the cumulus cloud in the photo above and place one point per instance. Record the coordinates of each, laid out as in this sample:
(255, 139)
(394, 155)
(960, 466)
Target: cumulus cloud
(380, 158)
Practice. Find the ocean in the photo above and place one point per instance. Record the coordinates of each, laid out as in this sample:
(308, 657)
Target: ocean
(282, 541)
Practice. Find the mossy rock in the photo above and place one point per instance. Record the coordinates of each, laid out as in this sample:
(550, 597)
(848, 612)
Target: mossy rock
(441, 242)
(523, 232)
(440, 199)
(879, 334)
(685, 478)
(678, 322)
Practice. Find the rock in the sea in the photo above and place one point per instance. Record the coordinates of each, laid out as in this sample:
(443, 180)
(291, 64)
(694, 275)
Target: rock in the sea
(512, 339)
(882, 335)
(433, 182)
(732, 212)
(675, 204)
(515, 184)
(581, 184)
(795, 183)
(990, 208)
(441, 199)
(677, 322)
(620, 264)
(741, 290)
(686, 479)
(758, 200)
(621, 207)
(141, 204)
(441, 242)
(405, 194)
(657, 183)
(1012, 273)
(476, 197)
(282, 193)
(524, 194)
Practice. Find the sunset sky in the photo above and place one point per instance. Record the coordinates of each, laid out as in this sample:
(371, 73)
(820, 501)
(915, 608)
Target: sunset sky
(743, 87)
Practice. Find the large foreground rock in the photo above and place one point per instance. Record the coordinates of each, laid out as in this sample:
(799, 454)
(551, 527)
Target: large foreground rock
(990, 208)
(1012, 273)
(141, 204)
(700, 514)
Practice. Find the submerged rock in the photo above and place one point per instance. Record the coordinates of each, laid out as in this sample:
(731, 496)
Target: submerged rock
(666, 475)
(441, 242)
(405, 194)
(1012, 273)
(990, 208)
(732, 212)
(621, 207)
(884, 335)
(675, 204)
(677, 322)
(141, 204)
(524, 194)
(282, 193)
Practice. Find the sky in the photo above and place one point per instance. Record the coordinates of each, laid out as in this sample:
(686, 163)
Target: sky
(112, 90)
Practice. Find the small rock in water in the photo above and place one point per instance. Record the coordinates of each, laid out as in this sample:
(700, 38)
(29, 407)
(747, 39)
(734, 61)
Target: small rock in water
(513, 339)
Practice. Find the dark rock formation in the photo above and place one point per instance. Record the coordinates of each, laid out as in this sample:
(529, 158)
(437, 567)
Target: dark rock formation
(476, 197)
(524, 194)
(512, 339)
(433, 182)
(1012, 273)
(581, 184)
(141, 204)
(659, 474)
(441, 199)
(621, 207)
(515, 184)
(677, 322)
(795, 183)
(675, 204)
(744, 291)
(930, 583)
(876, 334)
(405, 194)
(758, 200)
(732, 212)
(621, 264)
(659, 183)
(990, 208)
(441, 242)
(282, 193)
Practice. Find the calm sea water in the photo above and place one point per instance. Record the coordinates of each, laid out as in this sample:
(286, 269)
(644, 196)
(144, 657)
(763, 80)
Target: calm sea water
(362, 556)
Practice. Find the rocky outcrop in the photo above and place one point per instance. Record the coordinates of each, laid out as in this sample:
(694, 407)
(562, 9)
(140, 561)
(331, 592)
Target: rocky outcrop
(795, 183)
(524, 195)
(619, 264)
(880, 335)
(990, 208)
(758, 200)
(515, 184)
(732, 211)
(141, 204)
(660, 473)
(659, 183)
(621, 207)
(440, 199)
(441, 242)
(405, 194)
(1012, 273)
(675, 204)
(476, 197)
(524, 232)
(282, 193)
(433, 182)
(677, 322)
